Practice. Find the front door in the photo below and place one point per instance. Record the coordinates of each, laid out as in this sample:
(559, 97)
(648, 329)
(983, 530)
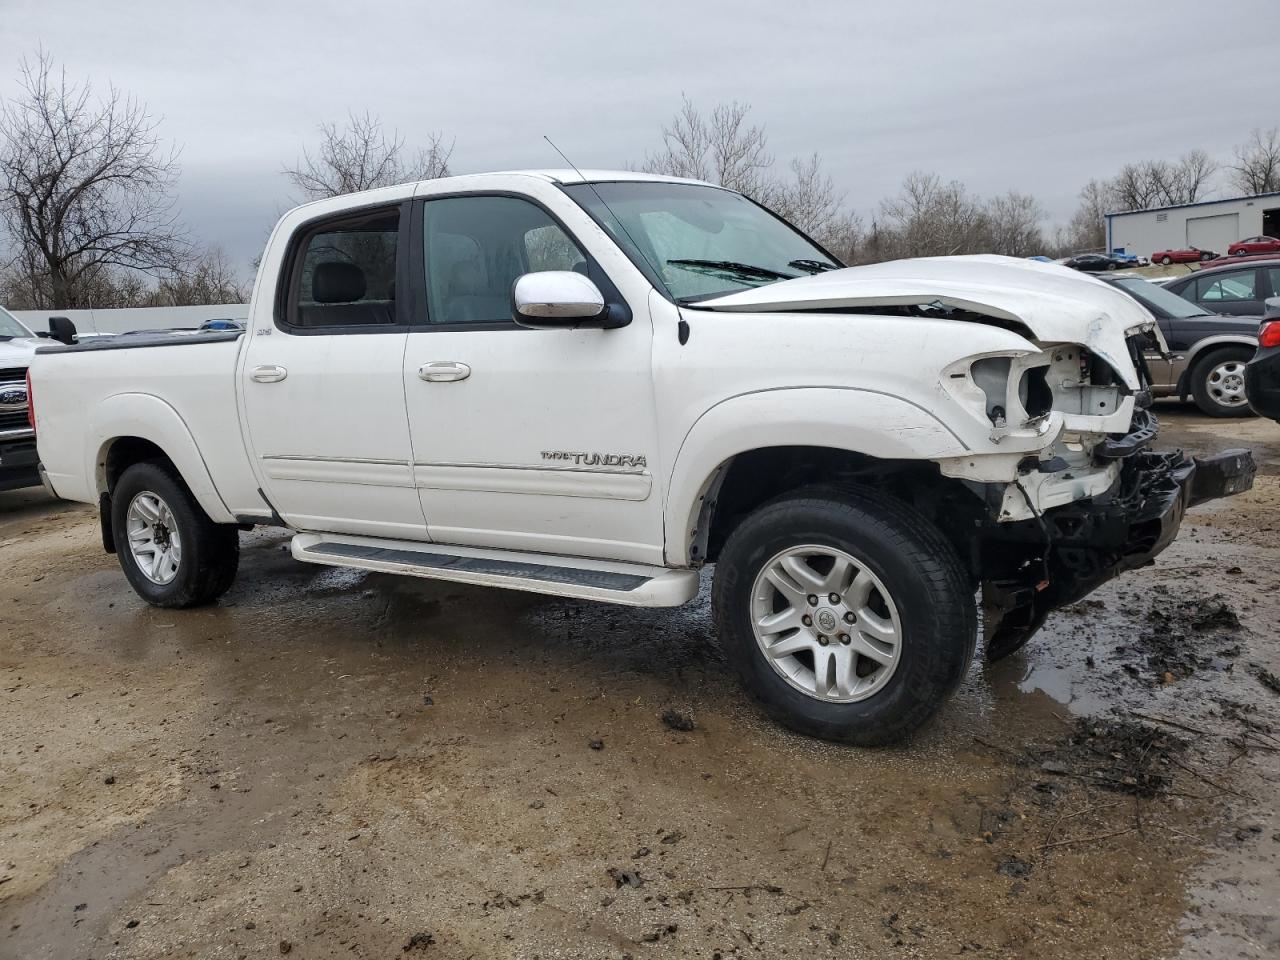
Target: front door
(531, 440)
(321, 383)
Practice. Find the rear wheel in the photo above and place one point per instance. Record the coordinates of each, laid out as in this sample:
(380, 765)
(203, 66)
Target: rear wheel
(1166, 260)
(847, 615)
(172, 554)
(1217, 382)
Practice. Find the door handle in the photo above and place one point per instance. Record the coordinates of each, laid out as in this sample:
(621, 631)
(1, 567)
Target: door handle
(271, 373)
(443, 371)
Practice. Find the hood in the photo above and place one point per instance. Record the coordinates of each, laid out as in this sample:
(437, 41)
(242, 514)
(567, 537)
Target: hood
(1057, 304)
(18, 353)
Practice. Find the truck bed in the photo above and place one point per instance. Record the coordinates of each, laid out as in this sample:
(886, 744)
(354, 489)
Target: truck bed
(88, 394)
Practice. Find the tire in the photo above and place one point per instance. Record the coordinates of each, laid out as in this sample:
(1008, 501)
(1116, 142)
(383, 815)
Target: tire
(1217, 382)
(1111, 266)
(920, 588)
(151, 498)
(1166, 260)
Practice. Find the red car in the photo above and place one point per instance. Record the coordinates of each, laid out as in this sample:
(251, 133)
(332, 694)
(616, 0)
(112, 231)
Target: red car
(1243, 248)
(1190, 255)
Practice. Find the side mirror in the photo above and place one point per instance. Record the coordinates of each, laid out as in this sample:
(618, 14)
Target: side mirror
(556, 298)
(62, 330)
(1272, 311)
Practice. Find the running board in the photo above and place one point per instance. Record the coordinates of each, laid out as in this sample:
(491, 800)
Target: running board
(632, 584)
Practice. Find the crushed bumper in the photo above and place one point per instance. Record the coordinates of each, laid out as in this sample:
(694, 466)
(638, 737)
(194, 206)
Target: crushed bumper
(1032, 568)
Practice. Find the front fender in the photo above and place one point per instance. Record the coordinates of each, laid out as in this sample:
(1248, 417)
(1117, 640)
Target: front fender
(869, 422)
(149, 418)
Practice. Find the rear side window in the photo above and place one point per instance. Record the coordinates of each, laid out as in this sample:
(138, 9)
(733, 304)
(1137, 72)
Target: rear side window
(475, 248)
(344, 273)
(1227, 287)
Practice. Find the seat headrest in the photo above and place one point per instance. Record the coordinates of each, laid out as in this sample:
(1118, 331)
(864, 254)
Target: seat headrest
(337, 282)
(466, 278)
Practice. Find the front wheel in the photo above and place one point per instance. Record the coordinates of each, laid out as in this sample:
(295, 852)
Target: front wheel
(1166, 260)
(172, 554)
(847, 615)
(1217, 383)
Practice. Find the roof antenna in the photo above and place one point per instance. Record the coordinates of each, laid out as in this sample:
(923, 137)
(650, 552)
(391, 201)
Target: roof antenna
(604, 203)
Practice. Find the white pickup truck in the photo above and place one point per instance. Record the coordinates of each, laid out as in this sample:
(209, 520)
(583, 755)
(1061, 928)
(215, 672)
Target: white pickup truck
(593, 384)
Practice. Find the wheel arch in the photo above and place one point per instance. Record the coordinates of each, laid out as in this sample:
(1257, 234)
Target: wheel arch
(1207, 345)
(132, 427)
(754, 446)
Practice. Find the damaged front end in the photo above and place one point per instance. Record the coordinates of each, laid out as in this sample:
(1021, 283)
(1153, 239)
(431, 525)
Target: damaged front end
(1031, 567)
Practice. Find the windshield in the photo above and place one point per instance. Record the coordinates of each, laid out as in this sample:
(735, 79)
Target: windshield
(698, 241)
(10, 327)
(1160, 299)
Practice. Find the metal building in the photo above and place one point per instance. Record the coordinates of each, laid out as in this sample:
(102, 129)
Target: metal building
(1210, 225)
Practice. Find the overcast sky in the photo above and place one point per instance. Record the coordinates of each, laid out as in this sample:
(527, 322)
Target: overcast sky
(1001, 94)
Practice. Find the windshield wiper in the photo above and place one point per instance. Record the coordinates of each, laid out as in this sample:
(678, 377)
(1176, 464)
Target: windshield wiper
(813, 266)
(732, 266)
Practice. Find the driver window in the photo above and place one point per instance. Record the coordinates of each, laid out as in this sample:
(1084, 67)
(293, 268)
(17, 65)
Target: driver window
(476, 247)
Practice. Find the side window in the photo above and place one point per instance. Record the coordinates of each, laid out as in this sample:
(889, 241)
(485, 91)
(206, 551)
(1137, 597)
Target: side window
(1231, 286)
(476, 247)
(344, 273)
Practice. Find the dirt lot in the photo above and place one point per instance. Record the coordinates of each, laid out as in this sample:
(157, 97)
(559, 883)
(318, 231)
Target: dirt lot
(336, 764)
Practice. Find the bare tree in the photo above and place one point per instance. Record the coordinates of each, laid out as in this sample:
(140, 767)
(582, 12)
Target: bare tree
(1162, 183)
(1013, 224)
(722, 149)
(1257, 166)
(931, 218)
(1087, 228)
(809, 199)
(206, 278)
(845, 237)
(361, 156)
(726, 149)
(86, 189)
(1192, 177)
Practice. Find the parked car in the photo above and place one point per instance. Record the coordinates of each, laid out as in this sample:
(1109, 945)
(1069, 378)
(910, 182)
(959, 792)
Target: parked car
(1236, 288)
(1206, 352)
(1254, 245)
(1262, 375)
(18, 461)
(1094, 262)
(1129, 259)
(594, 386)
(1189, 255)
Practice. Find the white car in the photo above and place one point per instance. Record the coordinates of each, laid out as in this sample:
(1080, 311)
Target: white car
(18, 464)
(591, 385)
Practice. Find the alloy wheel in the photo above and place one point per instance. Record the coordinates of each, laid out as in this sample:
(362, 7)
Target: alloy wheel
(153, 537)
(826, 623)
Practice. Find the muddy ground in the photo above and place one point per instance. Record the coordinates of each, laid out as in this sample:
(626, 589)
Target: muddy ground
(336, 764)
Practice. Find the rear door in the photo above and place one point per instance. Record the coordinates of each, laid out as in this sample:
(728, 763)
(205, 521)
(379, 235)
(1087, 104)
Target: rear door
(1234, 292)
(321, 387)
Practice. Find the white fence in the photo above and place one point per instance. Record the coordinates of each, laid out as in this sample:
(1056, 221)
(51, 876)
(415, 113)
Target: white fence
(140, 318)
